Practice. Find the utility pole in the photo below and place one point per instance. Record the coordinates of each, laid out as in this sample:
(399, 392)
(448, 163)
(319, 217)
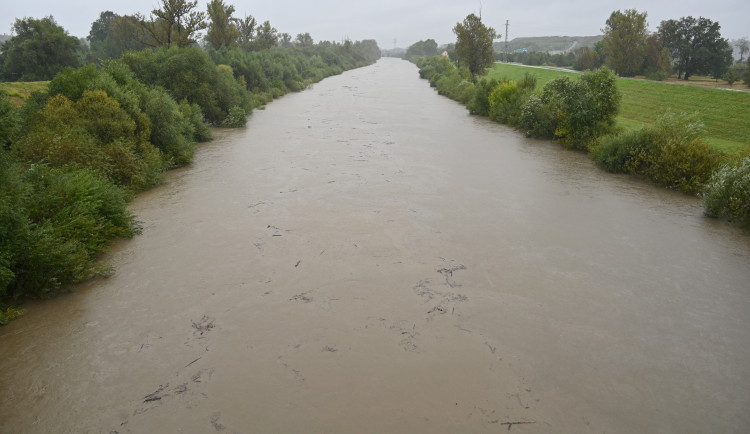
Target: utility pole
(507, 55)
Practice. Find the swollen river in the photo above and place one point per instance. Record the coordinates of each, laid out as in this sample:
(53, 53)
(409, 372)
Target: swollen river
(367, 257)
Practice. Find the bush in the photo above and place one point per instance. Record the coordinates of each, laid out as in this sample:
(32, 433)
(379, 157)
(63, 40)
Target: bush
(54, 224)
(671, 153)
(236, 118)
(507, 100)
(480, 100)
(727, 193)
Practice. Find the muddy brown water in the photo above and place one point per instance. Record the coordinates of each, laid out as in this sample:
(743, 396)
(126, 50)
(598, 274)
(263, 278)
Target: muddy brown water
(367, 257)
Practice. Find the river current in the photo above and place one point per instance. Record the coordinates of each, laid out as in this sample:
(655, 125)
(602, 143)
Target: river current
(367, 257)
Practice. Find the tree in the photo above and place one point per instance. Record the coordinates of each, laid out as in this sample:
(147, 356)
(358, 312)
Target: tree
(743, 46)
(422, 48)
(246, 27)
(266, 36)
(39, 50)
(586, 58)
(304, 40)
(175, 23)
(657, 61)
(696, 46)
(222, 29)
(474, 44)
(624, 41)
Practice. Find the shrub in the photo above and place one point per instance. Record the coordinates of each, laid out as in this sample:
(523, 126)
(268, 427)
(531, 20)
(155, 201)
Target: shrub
(55, 226)
(507, 100)
(671, 153)
(480, 99)
(236, 118)
(727, 193)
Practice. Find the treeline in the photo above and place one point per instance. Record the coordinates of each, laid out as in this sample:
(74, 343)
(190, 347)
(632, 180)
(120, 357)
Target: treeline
(581, 114)
(72, 157)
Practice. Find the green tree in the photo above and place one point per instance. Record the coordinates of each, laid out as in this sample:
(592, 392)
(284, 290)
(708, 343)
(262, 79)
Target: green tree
(586, 58)
(624, 41)
(304, 40)
(176, 23)
(743, 46)
(39, 50)
(100, 37)
(422, 48)
(266, 36)
(247, 27)
(222, 29)
(696, 46)
(474, 44)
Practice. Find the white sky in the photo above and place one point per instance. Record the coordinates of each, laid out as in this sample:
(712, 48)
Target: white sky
(406, 21)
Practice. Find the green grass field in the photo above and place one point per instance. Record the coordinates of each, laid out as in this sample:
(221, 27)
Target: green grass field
(726, 114)
(19, 91)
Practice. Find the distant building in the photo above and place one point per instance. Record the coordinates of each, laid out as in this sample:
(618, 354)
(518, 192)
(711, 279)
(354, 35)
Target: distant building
(445, 54)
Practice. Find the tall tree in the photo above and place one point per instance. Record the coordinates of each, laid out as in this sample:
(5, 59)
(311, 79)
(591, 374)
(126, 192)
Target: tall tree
(39, 50)
(696, 46)
(743, 46)
(624, 41)
(474, 44)
(304, 40)
(222, 29)
(423, 48)
(266, 36)
(176, 23)
(246, 27)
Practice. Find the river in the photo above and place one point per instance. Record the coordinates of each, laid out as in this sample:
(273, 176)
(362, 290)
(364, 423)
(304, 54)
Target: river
(367, 257)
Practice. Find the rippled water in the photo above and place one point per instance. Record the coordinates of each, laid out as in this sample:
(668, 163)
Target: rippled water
(367, 257)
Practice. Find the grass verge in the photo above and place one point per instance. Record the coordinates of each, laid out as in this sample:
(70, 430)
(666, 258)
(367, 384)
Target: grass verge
(724, 113)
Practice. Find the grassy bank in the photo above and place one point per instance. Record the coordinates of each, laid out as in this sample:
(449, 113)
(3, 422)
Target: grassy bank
(19, 91)
(724, 113)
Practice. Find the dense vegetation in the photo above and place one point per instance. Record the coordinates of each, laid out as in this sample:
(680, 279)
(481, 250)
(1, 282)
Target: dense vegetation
(580, 111)
(73, 154)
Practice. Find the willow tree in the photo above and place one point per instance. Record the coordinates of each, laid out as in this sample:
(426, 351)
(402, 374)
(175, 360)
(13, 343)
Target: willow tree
(474, 44)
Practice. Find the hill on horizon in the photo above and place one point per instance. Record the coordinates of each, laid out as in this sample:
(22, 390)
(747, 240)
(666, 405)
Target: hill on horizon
(548, 44)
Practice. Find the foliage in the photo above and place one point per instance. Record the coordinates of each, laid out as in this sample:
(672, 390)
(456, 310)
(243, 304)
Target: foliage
(586, 58)
(696, 46)
(39, 50)
(474, 44)
(657, 63)
(727, 193)
(175, 24)
(723, 113)
(53, 225)
(743, 47)
(624, 41)
(422, 48)
(579, 111)
(9, 120)
(508, 98)
(189, 73)
(671, 153)
(480, 100)
(222, 30)
(236, 118)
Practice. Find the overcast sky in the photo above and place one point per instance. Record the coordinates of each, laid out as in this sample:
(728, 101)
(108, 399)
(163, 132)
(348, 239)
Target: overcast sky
(406, 21)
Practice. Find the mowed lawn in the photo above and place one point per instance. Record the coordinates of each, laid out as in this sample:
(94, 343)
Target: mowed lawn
(726, 114)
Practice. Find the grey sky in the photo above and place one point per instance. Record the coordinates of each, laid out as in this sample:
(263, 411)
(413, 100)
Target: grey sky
(406, 21)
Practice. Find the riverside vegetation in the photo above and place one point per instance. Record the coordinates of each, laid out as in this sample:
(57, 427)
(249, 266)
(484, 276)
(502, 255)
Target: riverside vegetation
(582, 113)
(73, 156)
